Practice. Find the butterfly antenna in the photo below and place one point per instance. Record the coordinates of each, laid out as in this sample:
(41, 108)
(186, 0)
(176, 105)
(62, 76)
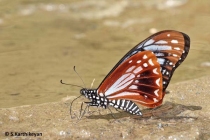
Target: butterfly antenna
(79, 76)
(61, 81)
(72, 104)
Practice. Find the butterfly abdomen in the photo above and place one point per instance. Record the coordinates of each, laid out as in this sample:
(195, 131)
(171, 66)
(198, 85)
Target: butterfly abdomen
(100, 100)
(126, 105)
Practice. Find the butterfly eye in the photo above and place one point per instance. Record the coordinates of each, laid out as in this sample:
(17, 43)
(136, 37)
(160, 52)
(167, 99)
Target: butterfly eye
(83, 91)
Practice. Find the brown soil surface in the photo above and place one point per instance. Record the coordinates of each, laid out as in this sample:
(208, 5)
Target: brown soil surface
(185, 114)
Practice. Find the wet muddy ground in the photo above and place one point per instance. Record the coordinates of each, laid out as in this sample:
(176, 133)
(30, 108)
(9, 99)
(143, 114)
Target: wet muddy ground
(185, 114)
(41, 41)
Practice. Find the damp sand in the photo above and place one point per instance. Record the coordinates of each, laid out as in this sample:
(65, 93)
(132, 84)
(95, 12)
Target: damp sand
(185, 114)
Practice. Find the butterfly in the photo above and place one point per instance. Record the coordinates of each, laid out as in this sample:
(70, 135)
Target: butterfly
(142, 75)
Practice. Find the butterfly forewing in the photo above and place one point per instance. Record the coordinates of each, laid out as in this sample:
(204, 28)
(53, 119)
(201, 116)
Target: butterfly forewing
(170, 47)
(138, 79)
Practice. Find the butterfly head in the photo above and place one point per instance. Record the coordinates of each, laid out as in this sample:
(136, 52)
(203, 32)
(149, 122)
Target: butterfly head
(84, 92)
(88, 93)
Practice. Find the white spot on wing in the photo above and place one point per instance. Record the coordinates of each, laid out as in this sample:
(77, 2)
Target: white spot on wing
(101, 94)
(156, 92)
(155, 71)
(161, 42)
(175, 55)
(168, 35)
(133, 87)
(163, 72)
(155, 100)
(174, 41)
(130, 69)
(138, 69)
(145, 65)
(150, 62)
(139, 61)
(130, 61)
(158, 81)
(145, 56)
(176, 48)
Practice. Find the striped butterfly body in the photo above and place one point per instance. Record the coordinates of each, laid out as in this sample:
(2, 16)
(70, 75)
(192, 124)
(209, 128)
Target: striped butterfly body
(142, 75)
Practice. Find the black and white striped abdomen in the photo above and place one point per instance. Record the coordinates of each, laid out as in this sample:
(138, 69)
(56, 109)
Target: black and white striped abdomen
(126, 105)
(102, 101)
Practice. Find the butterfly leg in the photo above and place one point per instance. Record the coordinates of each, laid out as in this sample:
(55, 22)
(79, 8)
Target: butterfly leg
(91, 104)
(82, 112)
(78, 117)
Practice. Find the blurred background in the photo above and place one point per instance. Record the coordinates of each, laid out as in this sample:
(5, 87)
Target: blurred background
(41, 41)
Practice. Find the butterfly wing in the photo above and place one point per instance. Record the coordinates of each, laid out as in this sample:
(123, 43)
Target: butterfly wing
(170, 47)
(137, 79)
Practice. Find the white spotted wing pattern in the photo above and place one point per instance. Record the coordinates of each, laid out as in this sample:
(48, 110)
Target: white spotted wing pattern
(138, 79)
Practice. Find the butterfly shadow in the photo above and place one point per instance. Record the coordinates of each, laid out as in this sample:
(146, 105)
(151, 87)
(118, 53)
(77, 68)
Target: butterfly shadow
(167, 111)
